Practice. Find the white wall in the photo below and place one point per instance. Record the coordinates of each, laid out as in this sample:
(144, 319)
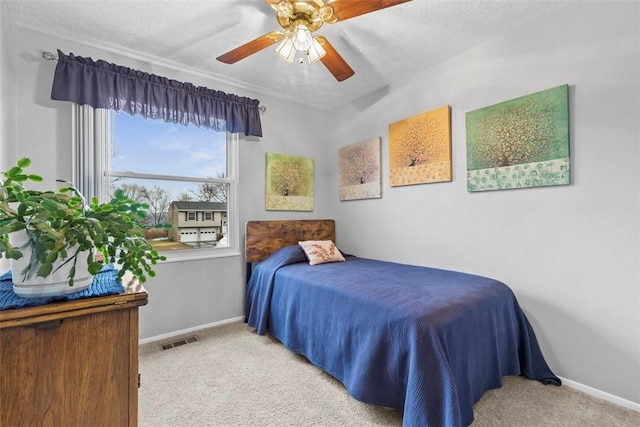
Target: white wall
(7, 95)
(7, 61)
(571, 252)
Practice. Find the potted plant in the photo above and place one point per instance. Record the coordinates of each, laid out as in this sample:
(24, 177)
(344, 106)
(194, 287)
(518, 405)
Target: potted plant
(54, 231)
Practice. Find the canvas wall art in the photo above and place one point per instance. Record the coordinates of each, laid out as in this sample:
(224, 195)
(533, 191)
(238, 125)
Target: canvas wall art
(420, 148)
(360, 170)
(289, 183)
(520, 143)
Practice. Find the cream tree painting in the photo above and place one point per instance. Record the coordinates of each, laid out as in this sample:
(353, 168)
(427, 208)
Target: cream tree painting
(360, 168)
(289, 183)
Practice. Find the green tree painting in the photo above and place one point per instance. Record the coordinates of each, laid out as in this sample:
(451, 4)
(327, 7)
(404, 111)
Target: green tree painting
(519, 143)
(289, 183)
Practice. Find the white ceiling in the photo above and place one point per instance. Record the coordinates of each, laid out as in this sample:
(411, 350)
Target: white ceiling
(382, 47)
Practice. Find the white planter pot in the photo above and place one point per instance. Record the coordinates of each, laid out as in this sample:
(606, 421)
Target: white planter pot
(57, 283)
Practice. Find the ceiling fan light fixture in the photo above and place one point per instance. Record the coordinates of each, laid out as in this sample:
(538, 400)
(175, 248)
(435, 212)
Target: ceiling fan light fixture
(327, 15)
(302, 39)
(286, 49)
(285, 8)
(300, 19)
(315, 52)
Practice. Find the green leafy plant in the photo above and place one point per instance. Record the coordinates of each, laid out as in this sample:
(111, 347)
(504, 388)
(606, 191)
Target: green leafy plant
(61, 226)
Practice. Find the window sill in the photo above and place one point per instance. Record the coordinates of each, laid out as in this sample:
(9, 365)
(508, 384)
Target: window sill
(199, 254)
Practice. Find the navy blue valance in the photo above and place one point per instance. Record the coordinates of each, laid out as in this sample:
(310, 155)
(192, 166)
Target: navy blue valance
(101, 84)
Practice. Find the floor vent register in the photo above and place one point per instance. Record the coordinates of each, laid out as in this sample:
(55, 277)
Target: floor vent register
(179, 343)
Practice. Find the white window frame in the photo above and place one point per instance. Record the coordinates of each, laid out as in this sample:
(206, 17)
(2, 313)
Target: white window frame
(92, 131)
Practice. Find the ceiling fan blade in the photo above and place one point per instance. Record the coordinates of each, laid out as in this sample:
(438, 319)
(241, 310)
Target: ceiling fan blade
(334, 62)
(250, 48)
(345, 9)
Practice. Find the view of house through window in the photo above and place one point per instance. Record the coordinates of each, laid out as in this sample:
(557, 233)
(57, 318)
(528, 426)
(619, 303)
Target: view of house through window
(181, 172)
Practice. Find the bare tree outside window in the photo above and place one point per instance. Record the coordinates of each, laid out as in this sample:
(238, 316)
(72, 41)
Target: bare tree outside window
(185, 196)
(211, 192)
(133, 191)
(159, 200)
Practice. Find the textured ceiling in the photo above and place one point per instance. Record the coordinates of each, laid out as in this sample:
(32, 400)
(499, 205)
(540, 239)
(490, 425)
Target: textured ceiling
(382, 47)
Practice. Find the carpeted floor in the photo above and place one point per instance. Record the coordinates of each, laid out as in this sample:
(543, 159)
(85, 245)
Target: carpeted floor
(233, 377)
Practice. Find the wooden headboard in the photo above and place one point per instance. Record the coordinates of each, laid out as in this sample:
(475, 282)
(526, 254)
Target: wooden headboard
(264, 237)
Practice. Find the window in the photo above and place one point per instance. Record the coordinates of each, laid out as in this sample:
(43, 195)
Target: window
(184, 173)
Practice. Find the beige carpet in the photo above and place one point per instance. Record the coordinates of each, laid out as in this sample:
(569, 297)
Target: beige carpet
(233, 377)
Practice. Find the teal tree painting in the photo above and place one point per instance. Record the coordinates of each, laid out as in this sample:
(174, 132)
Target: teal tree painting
(520, 143)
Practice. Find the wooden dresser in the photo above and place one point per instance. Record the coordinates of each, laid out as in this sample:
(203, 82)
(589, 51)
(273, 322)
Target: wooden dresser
(71, 363)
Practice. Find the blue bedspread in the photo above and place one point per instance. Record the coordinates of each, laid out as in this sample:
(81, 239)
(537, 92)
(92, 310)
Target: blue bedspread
(425, 341)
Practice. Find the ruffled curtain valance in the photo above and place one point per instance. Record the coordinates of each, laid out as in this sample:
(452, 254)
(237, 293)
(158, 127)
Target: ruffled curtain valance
(101, 84)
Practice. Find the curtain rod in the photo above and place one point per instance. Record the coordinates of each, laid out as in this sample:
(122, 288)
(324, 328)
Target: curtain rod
(52, 57)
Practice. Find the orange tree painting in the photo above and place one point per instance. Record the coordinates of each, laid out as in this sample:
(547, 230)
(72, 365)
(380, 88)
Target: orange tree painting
(360, 176)
(420, 148)
(289, 183)
(519, 143)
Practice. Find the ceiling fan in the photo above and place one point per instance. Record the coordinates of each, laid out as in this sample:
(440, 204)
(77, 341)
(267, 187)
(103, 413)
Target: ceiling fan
(299, 19)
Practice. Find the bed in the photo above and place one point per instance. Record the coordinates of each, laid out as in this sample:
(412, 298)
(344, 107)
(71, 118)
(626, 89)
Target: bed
(425, 341)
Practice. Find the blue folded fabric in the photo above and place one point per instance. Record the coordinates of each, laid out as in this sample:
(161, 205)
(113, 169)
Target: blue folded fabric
(104, 283)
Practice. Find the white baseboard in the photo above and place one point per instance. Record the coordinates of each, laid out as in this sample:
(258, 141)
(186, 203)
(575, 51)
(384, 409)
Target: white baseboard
(601, 394)
(189, 330)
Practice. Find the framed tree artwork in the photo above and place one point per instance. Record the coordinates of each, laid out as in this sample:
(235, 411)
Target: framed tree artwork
(289, 183)
(520, 143)
(360, 170)
(420, 148)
